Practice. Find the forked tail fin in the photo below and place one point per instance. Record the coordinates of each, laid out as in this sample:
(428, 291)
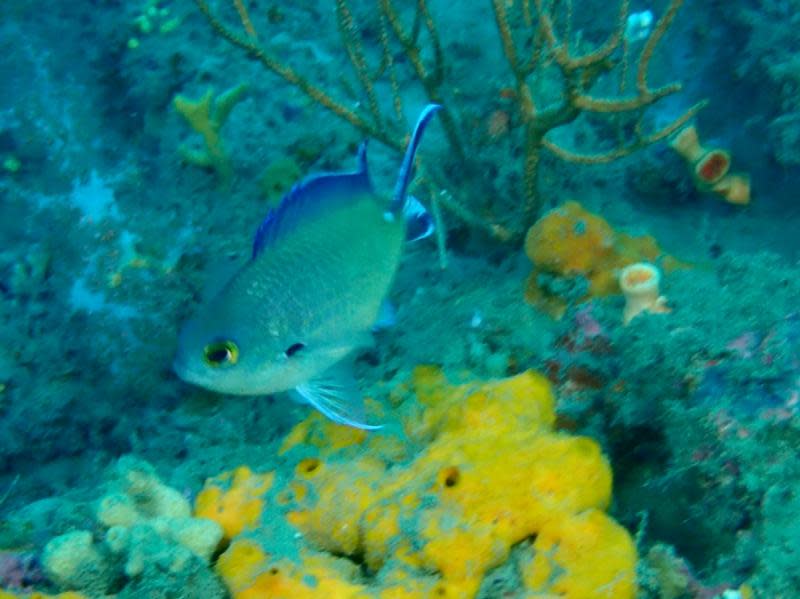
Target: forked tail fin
(406, 168)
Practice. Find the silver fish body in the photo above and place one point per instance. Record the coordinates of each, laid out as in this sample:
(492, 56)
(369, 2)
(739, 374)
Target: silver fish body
(322, 264)
(322, 287)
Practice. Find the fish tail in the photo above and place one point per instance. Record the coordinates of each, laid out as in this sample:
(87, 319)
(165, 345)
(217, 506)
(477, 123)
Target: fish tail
(404, 177)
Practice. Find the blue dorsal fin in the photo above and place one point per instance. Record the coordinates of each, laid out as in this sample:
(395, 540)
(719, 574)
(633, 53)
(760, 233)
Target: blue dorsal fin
(404, 176)
(311, 196)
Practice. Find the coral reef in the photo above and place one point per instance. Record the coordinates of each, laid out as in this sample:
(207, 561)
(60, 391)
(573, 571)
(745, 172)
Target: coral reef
(540, 114)
(577, 255)
(19, 569)
(147, 529)
(723, 378)
(668, 576)
(770, 60)
(473, 471)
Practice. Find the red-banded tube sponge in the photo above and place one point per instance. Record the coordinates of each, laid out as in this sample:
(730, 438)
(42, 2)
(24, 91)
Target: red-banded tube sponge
(710, 168)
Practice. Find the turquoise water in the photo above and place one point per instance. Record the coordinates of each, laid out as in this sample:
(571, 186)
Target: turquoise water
(142, 143)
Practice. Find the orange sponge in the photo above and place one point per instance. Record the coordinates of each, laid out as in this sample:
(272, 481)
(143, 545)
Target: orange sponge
(570, 242)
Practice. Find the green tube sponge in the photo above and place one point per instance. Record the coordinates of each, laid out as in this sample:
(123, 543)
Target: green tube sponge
(137, 495)
(73, 561)
(206, 116)
(198, 535)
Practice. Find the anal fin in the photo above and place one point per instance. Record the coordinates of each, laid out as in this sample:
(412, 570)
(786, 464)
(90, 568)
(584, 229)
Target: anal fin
(335, 394)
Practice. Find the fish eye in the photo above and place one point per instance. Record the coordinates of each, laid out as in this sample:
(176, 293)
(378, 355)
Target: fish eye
(221, 353)
(293, 349)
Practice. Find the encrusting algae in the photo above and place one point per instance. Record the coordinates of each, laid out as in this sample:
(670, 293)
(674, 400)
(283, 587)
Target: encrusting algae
(142, 529)
(427, 511)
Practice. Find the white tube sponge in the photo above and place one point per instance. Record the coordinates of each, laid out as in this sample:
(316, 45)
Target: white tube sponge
(640, 283)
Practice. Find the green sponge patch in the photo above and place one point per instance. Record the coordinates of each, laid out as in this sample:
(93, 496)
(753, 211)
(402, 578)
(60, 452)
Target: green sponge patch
(206, 116)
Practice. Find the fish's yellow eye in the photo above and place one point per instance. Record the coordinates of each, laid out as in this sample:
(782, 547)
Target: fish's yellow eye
(221, 353)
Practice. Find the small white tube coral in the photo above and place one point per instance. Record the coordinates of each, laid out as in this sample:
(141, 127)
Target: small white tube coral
(640, 283)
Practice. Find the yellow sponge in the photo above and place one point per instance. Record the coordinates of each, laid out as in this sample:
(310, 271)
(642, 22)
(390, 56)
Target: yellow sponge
(234, 500)
(485, 471)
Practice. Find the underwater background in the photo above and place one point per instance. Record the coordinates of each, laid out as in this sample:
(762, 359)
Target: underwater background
(611, 294)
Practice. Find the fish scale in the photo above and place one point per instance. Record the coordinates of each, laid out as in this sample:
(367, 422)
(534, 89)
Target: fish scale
(341, 267)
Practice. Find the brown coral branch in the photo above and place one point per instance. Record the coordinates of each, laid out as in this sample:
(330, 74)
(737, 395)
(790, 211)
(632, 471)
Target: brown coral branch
(527, 106)
(568, 26)
(408, 42)
(387, 61)
(578, 158)
(532, 200)
(355, 52)
(507, 40)
(560, 47)
(317, 94)
(438, 55)
(244, 16)
(660, 29)
(593, 104)
(640, 142)
(548, 32)
(527, 16)
(429, 83)
(580, 72)
(457, 208)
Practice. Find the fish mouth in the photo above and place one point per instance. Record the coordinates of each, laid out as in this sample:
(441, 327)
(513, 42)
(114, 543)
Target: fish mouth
(200, 378)
(195, 377)
(181, 368)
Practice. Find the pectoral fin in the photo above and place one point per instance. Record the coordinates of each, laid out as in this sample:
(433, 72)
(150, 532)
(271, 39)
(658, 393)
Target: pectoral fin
(336, 395)
(387, 317)
(419, 222)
